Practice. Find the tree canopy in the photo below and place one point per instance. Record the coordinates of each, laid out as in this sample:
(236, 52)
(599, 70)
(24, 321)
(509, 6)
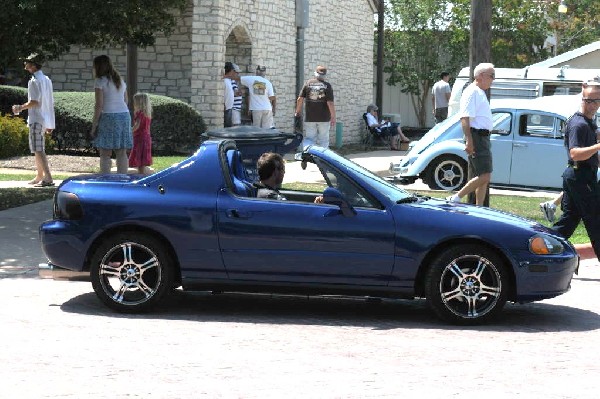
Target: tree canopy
(425, 37)
(50, 27)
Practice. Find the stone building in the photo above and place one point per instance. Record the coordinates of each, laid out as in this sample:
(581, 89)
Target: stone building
(188, 64)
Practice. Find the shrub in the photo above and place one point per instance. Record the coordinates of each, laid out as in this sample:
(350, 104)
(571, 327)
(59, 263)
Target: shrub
(10, 95)
(14, 136)
(176, 127)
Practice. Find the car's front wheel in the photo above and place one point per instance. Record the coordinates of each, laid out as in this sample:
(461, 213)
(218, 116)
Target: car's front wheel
(467, 284)
(131, 271)
(447, 172)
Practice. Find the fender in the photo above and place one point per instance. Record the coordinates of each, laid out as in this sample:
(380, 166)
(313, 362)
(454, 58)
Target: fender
(454, 147)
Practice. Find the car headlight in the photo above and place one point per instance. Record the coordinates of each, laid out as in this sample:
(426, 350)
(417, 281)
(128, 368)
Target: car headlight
(541, 244)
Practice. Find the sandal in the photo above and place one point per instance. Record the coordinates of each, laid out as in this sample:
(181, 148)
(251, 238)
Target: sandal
(44, 184)
(34, 181)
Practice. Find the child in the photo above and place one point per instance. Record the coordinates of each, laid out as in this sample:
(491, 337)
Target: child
(141, 153)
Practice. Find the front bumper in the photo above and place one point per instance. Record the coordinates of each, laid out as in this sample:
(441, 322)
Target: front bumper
(48, 270)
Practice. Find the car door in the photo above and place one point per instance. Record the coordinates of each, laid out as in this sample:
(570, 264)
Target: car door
(539, 156)
(267, 240)
(501, 140)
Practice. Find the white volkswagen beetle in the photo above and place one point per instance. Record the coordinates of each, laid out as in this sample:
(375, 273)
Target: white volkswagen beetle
(527, 147)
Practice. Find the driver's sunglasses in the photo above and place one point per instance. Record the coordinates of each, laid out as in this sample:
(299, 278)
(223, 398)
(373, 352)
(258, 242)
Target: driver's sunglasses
(591, 100)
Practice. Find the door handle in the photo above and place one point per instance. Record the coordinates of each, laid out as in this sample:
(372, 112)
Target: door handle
(236, 214)
(519, 145)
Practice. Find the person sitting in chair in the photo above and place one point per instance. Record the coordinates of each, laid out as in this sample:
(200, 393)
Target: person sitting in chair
(384, 128)
(271, 170)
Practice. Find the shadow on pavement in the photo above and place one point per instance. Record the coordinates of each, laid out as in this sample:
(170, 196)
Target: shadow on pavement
(334, 311)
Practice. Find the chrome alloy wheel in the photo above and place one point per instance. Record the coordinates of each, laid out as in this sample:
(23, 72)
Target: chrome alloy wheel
(470, 286)
(130, 274)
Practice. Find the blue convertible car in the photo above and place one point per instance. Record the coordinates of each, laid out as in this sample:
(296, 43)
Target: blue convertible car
(199, 226)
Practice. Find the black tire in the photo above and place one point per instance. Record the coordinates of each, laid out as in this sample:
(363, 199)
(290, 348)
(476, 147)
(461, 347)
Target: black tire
(131, 272)
(467, 284)
(447, 172)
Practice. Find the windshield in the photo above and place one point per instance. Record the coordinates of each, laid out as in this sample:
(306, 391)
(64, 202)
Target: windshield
(389, 190)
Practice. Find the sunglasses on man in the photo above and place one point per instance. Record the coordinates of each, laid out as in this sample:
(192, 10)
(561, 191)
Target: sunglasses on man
(591, 100)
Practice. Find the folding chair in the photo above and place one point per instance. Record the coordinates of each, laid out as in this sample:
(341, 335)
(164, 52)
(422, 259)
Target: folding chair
(372, 136)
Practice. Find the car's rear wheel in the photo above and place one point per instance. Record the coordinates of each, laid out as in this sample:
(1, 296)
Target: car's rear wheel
(447, 172)
(467, 284)
(131, 271)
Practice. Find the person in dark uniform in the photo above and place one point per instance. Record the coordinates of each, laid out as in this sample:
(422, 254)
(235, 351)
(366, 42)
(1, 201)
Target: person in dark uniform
(581, 200)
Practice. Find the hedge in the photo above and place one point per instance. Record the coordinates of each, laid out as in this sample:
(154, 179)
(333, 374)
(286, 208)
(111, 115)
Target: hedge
(176, 127)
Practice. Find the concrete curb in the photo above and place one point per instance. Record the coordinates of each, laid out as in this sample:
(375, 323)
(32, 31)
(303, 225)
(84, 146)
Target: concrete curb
(585, 251)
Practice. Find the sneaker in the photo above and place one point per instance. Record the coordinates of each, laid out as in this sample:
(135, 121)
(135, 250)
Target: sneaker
(453, 198)
(548, 209)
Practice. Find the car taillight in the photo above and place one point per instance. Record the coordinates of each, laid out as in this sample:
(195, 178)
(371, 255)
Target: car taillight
(67, 206)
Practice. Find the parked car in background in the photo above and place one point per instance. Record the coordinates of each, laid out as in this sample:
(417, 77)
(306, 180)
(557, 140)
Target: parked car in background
(199, 225)
(529, 82)
(527, 147)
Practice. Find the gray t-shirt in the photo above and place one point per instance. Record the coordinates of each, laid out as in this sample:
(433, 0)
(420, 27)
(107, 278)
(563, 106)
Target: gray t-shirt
(439, 91)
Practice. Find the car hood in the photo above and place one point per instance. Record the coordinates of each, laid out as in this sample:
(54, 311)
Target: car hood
(476, 218)
(439, 132)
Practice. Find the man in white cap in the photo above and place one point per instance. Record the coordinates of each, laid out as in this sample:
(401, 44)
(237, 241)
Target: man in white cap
(262, 98)
(40, 118)
(320, 109)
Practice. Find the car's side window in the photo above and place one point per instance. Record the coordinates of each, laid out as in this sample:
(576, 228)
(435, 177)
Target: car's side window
(538, 125)
(355, 195)
(501, 123)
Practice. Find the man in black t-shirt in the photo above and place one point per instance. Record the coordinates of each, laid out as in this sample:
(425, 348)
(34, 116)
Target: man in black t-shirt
(317, 94)
(581, 199)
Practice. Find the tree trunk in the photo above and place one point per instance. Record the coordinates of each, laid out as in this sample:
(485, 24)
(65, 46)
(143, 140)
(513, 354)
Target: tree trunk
(480, 51)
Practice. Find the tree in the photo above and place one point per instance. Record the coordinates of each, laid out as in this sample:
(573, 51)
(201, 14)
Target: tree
(424, 37)
(50, 27)
(424, 41)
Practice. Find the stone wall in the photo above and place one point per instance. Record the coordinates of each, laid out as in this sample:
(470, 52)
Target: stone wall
(188, 65)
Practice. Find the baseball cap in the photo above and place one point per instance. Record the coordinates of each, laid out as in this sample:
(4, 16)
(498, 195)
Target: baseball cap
(34, 58)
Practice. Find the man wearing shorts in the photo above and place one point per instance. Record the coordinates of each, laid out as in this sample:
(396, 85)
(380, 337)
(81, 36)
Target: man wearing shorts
(40, 119)
(476, 122)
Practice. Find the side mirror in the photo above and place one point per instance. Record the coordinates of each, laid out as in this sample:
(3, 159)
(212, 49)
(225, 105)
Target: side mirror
(333, 196)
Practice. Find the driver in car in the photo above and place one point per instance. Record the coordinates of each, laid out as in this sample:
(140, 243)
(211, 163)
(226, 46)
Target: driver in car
(271, 170)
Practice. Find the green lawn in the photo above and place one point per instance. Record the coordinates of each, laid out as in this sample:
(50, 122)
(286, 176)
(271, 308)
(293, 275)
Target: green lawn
(527, 207)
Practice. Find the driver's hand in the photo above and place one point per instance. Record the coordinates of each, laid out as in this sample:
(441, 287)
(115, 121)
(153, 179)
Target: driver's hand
(319, 200)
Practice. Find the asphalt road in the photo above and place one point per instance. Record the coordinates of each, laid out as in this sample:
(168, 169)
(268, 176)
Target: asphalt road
(58, 341)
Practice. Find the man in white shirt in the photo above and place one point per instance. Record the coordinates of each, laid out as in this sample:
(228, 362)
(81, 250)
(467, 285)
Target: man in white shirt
(262, 98)
(40, 119)
(476, 121)
(440, 95)
(233, 99)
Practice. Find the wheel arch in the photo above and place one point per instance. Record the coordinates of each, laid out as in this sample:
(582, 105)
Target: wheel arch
(433, 252)
(135, 229)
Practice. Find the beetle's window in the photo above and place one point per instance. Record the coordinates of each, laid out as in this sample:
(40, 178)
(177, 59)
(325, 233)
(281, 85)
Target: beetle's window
(539, 125)
(501, 123)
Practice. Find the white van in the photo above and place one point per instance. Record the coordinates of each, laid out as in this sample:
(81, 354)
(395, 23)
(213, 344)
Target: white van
(528, 82)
